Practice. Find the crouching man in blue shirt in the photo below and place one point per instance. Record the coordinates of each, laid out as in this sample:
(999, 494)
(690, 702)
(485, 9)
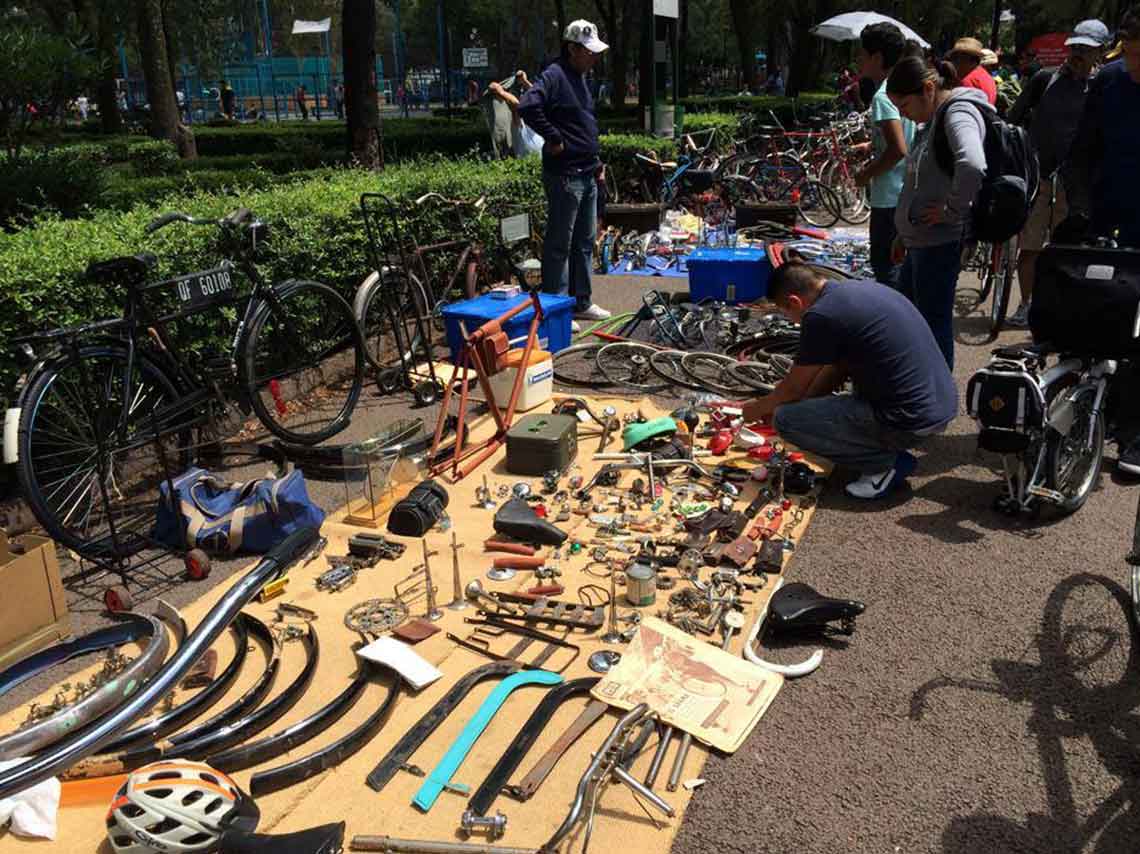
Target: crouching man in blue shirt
(560, 109)
(874, 336)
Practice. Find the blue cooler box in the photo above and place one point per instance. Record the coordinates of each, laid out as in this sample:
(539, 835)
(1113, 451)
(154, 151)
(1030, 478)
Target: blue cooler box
(729, 275)
(553, 332)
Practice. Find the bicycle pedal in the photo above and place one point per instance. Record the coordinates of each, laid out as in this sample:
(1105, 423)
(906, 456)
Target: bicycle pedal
(1047, 494)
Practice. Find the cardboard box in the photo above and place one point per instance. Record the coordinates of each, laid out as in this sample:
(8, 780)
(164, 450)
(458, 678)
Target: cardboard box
(33, 610)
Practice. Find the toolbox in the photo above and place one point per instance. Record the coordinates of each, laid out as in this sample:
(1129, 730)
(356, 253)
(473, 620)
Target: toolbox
(729, 275)
(537, 444)
(553, 332)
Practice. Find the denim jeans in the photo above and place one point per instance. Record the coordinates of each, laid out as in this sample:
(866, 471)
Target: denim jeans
(843, 428)
(883, 233)
(929, 277)
(571, 222)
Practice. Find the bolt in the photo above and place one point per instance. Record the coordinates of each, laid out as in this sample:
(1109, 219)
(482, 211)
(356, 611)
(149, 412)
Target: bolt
(496, 824)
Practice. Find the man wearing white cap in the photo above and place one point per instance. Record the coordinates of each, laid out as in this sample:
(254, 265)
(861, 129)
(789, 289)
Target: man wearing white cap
(560, 109)
(1050, 106)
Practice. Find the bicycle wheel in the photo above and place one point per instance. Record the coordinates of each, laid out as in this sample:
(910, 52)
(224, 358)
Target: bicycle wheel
(818, 205)
(1001, 274)
(667, 365)
(386, 309)
(855, 206)
(627, 364)
(303, 363)
(78, 490)
(578, 366)
(711, 372)
(1073, 461)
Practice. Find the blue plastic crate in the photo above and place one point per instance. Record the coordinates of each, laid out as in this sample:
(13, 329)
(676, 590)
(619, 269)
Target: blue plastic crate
(729, 275)
(553, 332)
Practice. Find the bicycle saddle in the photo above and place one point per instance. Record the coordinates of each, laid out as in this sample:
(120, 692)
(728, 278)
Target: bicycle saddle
(326, 839)
(517, 519)
(798, 607)
(1021, 352)
(127, 268)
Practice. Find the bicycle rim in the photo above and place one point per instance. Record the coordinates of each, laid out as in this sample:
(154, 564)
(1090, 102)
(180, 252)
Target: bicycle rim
(304, 363)
(711, 371)
(818, 205)
(1074, 460)
(667, 365)
(77, 492)
(578, 366)
(627, 364)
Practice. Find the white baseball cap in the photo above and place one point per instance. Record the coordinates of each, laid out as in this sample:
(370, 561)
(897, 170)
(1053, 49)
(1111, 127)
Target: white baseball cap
(586, 34)
(1091, 33)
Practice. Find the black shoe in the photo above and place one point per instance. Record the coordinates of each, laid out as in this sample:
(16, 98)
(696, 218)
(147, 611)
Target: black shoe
(1129, 460)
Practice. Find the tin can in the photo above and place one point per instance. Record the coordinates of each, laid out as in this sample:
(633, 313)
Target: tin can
(641, 584)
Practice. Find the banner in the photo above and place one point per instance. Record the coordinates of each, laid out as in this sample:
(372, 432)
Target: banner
(1050, 49)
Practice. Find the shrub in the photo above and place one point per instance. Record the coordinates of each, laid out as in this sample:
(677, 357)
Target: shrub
(315, 227)
(784, 108)
(67, 180)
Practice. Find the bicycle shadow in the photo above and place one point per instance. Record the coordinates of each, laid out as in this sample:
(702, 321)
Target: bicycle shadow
(966, 508)
(1071, 698)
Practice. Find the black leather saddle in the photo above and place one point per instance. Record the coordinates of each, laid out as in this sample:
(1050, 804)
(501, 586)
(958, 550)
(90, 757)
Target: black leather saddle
(517, 519)
(326, 839)
(127, 268)
(799, 608)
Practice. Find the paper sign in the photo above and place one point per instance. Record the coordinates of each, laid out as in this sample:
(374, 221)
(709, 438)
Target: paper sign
(690, 684)
(401, 658)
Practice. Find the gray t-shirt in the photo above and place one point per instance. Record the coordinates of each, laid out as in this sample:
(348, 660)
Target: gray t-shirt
(878, 337)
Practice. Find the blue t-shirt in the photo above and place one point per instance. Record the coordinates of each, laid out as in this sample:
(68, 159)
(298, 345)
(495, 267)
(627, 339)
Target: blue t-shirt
(878, 337)
(885, 188)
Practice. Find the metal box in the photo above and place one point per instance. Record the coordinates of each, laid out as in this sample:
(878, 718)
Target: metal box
(538, 443)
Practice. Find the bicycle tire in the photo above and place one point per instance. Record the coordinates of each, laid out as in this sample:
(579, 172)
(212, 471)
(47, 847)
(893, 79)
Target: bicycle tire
(1002, 285)
(696, 365)
(578, 366)
(667, 365)
(755, 375)
(67, 393)
(626, 363)
(1058, 445)
(304, 395)
(855, 206)
(817, 203)
(382, 349)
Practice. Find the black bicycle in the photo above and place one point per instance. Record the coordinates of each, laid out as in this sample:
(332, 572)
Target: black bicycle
(111, 409)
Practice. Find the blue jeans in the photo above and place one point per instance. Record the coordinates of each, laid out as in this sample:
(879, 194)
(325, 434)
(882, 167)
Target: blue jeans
(571, 222)
(843, 428)
(883, 233)
(929, 277)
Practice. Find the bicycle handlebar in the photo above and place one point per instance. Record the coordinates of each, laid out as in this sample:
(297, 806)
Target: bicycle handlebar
(233, 220)
(477, 204)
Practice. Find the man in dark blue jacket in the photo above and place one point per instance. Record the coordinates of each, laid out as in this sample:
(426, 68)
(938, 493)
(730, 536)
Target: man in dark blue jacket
(560, 109)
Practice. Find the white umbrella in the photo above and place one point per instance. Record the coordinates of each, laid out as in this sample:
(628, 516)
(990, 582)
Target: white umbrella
(848, 26)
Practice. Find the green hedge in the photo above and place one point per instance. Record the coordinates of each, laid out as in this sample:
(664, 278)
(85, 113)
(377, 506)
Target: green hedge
(315, 232)
(783, 107)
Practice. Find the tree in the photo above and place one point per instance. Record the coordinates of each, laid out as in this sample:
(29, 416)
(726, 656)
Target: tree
(744, 23)
(101, 21)
(39, 73)
(165, 122)
(361, 105)
(620, 20)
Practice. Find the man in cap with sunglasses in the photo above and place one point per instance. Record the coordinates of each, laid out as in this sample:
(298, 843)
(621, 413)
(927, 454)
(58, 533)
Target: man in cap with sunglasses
(1050, 106)
(560, 109)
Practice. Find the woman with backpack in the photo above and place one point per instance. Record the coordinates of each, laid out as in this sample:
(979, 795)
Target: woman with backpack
(944, 171)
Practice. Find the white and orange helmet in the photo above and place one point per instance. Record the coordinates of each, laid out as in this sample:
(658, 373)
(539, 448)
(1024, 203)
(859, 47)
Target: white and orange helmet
(176, 806)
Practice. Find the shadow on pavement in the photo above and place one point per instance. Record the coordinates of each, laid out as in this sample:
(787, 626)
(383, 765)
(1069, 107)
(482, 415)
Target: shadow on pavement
(1085, 687)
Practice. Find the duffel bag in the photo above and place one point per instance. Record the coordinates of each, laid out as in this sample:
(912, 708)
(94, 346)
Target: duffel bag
(223, 518)
(1086, 299)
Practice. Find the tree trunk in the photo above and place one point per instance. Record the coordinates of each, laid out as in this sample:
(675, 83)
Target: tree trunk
(743, 21)
(100, 29)
(560, 16)
(164, 120)
(619, 66)
(682, 81)
(362, 111)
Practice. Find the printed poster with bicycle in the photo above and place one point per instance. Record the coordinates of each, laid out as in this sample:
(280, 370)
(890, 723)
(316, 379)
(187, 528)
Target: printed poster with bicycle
(711, 694)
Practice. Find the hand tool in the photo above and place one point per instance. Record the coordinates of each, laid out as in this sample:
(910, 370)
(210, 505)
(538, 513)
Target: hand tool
(458, 601)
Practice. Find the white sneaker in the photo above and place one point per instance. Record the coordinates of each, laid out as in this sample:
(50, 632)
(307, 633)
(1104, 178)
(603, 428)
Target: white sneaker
(574, 327)
(878, 484)
(594, 312)
(1019, 318)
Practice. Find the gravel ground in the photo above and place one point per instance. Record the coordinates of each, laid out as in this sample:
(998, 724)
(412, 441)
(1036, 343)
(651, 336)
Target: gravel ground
(985, 703)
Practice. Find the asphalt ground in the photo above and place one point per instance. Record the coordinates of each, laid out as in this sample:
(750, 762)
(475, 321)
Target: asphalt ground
(985, 702)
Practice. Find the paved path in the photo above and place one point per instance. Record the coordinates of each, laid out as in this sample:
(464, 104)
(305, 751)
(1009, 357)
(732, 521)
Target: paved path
(985, 702)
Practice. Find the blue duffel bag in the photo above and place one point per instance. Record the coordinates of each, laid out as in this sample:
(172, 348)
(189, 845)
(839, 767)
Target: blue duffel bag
(223, 518)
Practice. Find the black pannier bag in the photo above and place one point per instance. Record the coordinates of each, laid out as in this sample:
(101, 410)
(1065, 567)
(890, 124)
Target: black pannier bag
(1086, 299)
(1006, 399)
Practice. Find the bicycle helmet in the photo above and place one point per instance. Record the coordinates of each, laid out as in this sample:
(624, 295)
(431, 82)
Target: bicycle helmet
(177, 806)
